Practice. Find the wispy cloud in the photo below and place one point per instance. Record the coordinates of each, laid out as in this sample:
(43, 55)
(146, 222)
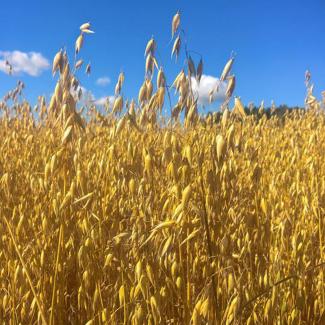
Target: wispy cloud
(89, 98)
(103, 81)
(103, 100)
(208, 83)
(31, 63)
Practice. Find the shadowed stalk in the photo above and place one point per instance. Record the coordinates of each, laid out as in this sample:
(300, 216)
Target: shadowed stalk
(26, 272)
(56, 273)
(208, 242)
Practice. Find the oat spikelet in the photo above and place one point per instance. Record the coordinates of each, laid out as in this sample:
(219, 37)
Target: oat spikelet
(57, 62)
(151, 47)
(230, 86)
(142, 93)
(239, 108)
(221, 147)
(175, 23)
(118, 104)
(225, 117)
(160, 97)
(88, 69)
(191, 67)
(199, 71)
(176, 46)
(78, 64)
(121, 79)
(79, 43)
(186, 195)
(161, 78)
(226, 70)
(119, 83)
(120, 125)
(85, 28)
(67, 134)
(149, 87)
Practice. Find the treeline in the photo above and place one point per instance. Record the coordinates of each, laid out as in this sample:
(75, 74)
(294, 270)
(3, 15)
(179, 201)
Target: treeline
(278, 110)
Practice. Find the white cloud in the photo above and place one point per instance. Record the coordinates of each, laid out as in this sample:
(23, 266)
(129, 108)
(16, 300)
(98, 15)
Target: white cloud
(31, 63)
(84, 93)
(208, 83)
(88, 98)
(103, 81)
(103, 100)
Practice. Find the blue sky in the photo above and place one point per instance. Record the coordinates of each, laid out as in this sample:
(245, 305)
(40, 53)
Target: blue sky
(275, 42)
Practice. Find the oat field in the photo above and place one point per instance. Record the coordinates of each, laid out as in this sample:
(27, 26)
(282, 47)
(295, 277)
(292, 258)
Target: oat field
(130, 216)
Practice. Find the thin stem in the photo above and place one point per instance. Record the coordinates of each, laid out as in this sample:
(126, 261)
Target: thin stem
(26, 272)
(209, 245)
(293, 276)
(55, 274)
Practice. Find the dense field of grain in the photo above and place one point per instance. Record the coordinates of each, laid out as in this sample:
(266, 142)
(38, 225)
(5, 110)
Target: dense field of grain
(124, 217)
